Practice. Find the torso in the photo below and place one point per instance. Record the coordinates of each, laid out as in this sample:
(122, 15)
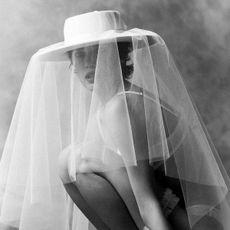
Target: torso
(99, 134)
(137, 96)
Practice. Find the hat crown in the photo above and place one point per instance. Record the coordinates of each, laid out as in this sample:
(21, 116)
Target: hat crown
(92, 24)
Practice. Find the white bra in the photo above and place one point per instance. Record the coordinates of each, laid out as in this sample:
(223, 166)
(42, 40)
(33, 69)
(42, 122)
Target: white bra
(150, 98)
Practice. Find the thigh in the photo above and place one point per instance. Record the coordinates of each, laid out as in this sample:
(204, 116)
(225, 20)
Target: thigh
(79, 200)
(105, 201)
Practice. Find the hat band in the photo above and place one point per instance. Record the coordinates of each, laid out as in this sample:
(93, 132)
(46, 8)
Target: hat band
(90, 37)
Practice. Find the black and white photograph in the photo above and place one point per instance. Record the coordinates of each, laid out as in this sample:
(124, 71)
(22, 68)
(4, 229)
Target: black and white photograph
(115, 115)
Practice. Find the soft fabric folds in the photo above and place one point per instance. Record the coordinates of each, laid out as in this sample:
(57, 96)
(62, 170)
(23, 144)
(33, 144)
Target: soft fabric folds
(55, 114)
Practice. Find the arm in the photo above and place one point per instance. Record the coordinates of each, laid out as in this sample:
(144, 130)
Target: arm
(126, 125)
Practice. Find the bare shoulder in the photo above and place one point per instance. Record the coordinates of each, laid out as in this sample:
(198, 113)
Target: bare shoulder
(130, 109)
(125, 108)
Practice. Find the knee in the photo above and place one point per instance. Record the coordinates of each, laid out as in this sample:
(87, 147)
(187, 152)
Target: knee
(66, 172)
(63, 166)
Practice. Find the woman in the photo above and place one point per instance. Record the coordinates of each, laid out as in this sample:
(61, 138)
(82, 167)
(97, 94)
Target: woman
(83, 62)
(108, 112)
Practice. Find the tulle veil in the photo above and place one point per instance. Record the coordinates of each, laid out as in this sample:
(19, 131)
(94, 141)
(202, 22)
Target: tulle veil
(56, 113)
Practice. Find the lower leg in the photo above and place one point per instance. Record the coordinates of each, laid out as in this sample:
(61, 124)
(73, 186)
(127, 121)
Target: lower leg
(148, 193)
(137, 184)
(118, 178)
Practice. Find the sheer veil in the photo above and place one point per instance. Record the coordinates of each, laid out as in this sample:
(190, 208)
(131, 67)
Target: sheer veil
(56, 113)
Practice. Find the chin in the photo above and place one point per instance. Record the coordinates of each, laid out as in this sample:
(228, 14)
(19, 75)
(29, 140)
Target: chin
(89, 87)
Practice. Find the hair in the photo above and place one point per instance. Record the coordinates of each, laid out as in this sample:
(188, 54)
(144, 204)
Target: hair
(124, 50)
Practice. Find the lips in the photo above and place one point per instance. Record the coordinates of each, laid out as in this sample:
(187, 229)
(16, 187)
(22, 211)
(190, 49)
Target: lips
(90, 77)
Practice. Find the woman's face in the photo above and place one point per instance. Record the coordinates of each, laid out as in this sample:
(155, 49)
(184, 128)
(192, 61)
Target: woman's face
(84, 64)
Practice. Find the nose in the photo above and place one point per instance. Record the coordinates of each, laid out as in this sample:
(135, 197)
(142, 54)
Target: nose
(90, 66)
(91, 58)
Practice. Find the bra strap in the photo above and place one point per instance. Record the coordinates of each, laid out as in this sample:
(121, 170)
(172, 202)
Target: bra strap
(148, 97)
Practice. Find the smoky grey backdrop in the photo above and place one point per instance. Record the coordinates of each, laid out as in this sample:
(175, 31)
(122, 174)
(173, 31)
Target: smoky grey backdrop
(197, 33)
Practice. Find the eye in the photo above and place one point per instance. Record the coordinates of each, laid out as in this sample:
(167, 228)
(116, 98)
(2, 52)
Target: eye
(79, 54)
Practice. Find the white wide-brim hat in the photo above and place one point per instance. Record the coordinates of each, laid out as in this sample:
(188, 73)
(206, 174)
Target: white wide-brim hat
(90, 28)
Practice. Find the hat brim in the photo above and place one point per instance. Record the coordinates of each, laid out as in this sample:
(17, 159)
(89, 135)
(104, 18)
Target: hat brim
(59, 51)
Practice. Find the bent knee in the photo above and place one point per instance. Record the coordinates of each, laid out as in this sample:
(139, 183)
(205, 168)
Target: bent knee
(63, 166)
(66, 173)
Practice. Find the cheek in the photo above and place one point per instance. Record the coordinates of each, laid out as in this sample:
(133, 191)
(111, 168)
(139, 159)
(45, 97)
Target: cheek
(79, 63)
(79, 72)
(80, 76)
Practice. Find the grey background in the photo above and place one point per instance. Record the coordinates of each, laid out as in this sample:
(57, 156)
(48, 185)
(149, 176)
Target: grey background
(197, 33)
